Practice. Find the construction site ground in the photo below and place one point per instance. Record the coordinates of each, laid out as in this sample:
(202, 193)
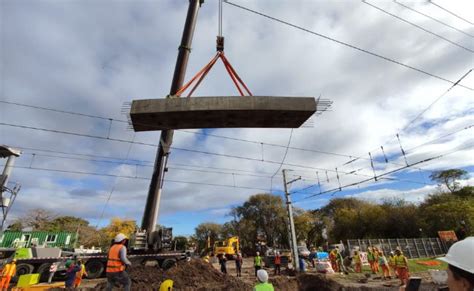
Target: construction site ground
(198, 275)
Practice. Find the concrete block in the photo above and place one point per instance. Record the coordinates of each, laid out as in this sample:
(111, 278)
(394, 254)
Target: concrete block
(221, 112)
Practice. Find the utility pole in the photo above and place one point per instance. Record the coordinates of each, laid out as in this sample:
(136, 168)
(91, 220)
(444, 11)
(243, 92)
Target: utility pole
(150, 215)
(294, 245)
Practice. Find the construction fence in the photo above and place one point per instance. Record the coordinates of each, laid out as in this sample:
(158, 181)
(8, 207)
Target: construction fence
(411, 247)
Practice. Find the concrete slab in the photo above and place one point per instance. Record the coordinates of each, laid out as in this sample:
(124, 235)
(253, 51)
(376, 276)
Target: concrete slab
(221, 112)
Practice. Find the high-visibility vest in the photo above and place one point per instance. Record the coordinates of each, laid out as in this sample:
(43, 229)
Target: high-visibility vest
(258, 261)
(391, 261)
(9, 270)
(263, 287)
(357, 258)
(114, 263)
(400, 261)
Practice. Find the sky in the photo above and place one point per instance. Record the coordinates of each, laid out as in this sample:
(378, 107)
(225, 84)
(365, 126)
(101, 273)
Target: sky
(95, 57)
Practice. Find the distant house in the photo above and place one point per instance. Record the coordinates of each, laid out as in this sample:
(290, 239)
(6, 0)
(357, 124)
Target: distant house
(26, 239)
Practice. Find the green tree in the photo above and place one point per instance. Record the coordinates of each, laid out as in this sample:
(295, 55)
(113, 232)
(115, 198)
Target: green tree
(205, 230)
(265, 217)
(449, 178)
(180, 243)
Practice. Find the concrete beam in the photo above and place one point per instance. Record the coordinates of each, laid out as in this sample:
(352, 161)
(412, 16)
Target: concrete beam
(221, 112)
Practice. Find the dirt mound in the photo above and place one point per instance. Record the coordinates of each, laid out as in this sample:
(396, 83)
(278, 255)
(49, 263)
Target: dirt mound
(193, 275)
(307, 282)
(284, 283)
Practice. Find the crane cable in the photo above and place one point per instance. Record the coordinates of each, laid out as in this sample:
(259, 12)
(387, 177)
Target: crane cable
(201, 74)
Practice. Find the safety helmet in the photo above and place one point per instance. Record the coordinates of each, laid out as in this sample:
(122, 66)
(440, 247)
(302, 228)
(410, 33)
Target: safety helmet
(167, 285)
(458, 255)
(120, 237)
(258, 253)
(14, 261)
(262, 275)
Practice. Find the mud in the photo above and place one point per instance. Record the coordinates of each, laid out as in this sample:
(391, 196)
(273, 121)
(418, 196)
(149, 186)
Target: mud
(193, 275)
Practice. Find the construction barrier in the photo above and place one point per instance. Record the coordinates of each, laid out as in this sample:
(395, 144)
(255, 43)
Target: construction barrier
(411, 247)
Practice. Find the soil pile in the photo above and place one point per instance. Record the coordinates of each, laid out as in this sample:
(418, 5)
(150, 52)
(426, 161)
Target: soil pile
(307, 282)
(193, 275)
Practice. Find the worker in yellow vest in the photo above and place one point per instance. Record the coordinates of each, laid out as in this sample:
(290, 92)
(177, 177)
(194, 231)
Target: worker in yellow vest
(8, 272)
(357, 262)
(401, 262)
(263, 284)
(392, 264)
(80, 274)
(257, 262)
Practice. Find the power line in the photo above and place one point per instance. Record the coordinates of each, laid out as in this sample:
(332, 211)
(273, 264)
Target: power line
(452, 13)
(417, 26)
(436, 100)
(346, 44)
(432, 18)
(282, 161)
(136, 178)
(383, 174)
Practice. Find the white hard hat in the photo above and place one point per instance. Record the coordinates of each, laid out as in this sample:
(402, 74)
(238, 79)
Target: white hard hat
(262, 275)
(120, 237)
(459, 255)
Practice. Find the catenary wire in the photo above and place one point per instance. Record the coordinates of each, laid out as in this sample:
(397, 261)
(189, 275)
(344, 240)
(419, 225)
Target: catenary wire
(450, 12)
(345, 44)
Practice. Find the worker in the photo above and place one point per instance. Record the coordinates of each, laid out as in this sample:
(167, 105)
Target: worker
(376, 259)
(263, 284)
(222, 262)
(333, 260)
(277, 263)
(257, 262)
(339, 261)
(206, 258)
(238, 264)
(8, 272)
(166, 285)
(461, 265)
(384, 265)
(392, 264)
(80, 274)
(371, 259)
(357, 262)
(71, 271)
(117, 262)
(401, 262)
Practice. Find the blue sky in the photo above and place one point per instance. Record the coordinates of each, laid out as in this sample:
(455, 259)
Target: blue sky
(93, 57)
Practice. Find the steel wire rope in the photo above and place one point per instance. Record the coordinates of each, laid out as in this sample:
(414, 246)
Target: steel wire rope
(418, 26)
(344, 43)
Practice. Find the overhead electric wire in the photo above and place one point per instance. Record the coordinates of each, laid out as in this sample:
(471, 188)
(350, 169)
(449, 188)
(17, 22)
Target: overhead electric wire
(345, 44)
(133, 177)
(418, 26)
(432, 18)
(450, 12)
(337, 189)
(436, 100)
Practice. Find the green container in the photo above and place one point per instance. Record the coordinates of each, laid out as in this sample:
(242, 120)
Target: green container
(28, 280)
(23, 253)
(58, 239)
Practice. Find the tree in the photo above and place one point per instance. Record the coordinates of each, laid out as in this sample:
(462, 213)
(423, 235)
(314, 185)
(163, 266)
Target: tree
(264, 217)
(449, 178)
(205, 230)
(118, 225)
(38, 219)
(15, 226)
(180, 243)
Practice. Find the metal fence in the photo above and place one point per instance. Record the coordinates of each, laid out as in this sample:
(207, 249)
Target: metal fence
(411, 247)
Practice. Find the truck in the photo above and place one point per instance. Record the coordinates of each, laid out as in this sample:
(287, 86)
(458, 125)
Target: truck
(38, 260)
(229, 246)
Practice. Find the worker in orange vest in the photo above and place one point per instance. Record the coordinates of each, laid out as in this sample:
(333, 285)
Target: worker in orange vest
(333, 260)
(277, 263)
(8, 272)
(116, 264)
(80, 274)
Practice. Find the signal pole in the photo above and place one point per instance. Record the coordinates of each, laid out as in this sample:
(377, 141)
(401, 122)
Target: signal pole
(294, 245)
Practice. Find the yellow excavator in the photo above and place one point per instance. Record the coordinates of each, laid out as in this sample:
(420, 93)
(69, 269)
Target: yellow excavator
(229, 246)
